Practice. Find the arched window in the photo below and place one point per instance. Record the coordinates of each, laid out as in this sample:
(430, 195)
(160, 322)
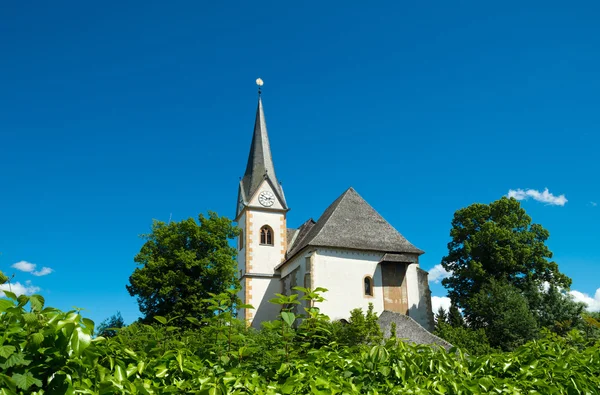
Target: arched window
(368, 286)
(266, 235)
(241, 240)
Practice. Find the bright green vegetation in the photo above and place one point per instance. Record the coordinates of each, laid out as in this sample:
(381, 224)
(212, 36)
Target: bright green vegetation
(181, 263)
(520, 333)
(46, 351)
(502, 278)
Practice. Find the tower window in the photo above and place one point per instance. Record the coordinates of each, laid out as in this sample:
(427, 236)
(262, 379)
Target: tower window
(266, 235)
(241, 240)
(368, 286)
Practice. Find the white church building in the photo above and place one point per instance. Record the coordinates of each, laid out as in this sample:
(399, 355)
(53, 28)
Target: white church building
(351, 250)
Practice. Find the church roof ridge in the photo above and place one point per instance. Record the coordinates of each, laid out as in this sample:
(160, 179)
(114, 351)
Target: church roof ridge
(351, 222)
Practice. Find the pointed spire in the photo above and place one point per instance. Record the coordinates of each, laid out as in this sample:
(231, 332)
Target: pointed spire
(260, 162)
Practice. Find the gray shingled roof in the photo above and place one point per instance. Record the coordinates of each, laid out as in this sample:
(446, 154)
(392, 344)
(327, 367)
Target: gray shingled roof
(350, 222)
(409, 330)
(290, 233)
(260, 160)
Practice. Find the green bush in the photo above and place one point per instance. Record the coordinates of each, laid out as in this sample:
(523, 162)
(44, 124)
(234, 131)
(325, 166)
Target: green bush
(46, 351)
(472, 341)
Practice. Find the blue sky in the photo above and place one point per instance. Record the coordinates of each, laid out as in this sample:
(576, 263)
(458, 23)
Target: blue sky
(112, 114)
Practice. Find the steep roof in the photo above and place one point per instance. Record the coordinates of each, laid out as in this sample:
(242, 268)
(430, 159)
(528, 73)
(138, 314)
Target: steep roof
(260, 161)
(350, 222)
(408, 330)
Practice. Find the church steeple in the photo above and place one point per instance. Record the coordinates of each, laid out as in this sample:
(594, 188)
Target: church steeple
(260, 162)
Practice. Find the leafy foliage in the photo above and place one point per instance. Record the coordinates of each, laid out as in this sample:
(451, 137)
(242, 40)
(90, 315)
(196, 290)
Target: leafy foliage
(109, 327)
(181, 264)
(555, 309)
(473, 341)
(503, 312)
(497, 241)
(500, 269)
(362, 328)
(455, 318)
(441, 317)
(45, 351)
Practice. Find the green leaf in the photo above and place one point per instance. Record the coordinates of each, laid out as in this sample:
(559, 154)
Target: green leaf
(22, 299)
(16, 359)
(160, 319)
(10, 295)
(193, 320)
(30, 318)
(7, 351)
(5, 304)
(37, 338)
(37, 302)
(288, 317)
(89, 324)
(161, 371)
(80, 340)
(179, 359)
(120, 373)
(24, 381)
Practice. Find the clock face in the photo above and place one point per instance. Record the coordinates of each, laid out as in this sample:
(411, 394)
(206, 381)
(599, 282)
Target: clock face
(266, 198)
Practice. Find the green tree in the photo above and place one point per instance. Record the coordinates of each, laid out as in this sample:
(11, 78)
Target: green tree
(497, 241)
(503, 312)
(473, 341)
(107, 328)
(181, 264)
(455, 318)
(362, 328)
(441, 317)
(496, 245)
(555, 309)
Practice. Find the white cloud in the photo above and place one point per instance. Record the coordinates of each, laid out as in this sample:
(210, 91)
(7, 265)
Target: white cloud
(440, 301)
(593, 303)
(438, 273)
(544, 197)
(24, 266)
(29, 267)
(19, 289)
(45, 270)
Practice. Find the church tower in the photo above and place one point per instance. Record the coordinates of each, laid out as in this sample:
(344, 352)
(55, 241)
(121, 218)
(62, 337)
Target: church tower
(261, 215)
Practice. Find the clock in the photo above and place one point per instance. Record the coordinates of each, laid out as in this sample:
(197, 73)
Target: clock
(266, 198)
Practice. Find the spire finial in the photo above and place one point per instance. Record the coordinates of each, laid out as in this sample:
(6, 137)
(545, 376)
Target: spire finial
(260, 83)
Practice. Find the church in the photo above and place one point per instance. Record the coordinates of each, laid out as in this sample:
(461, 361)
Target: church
(351, 250)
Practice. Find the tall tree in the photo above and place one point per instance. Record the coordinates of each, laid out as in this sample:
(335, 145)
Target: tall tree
(497, 241)
(503, 312)
(181, 263)
(441, 316)
(108, 327)
(455, 318)
(555, 309)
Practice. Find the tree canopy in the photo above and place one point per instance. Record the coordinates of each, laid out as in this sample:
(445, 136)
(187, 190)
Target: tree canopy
(108, 327)
(497, 241)
(181, 263)
(502, 276)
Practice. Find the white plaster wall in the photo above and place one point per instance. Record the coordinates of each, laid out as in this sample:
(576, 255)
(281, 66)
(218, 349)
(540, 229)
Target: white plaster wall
(265, 186)
(417, 305)
(412, 287)
(342, 272)
(421, 311)
(263, 290)
(265, 258)
(293, 264)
